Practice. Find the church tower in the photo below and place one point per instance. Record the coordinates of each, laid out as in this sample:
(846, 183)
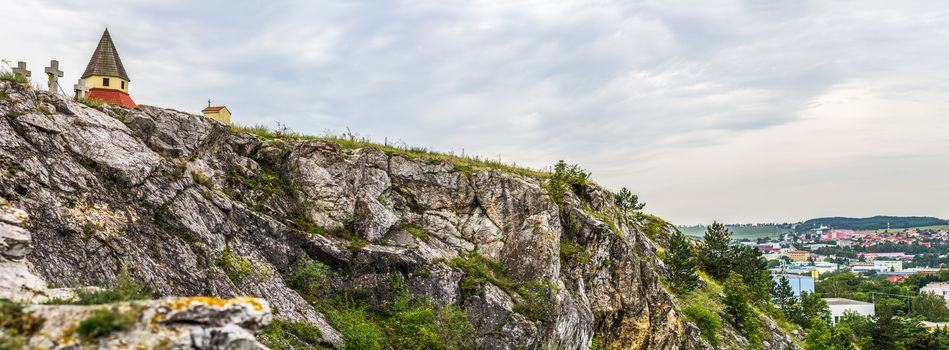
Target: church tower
(105, 75)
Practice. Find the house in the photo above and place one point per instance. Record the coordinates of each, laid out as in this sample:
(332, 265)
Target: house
(799, 255)
(838, 306)
(938, 288)
(798, 283)
(105, 75)
(219, 113)
(896, 278)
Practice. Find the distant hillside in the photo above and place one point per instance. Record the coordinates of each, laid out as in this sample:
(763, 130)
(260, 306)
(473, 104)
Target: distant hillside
(871, 223)
(742, 231)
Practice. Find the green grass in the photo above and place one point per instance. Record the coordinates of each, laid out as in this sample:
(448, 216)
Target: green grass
(239, 269)
(287, 335)
(569, 251)
(467, 164)
(91, 102)
(102, 322)
(125, 289)
(15, 321)
(14, 78)
(417, 232)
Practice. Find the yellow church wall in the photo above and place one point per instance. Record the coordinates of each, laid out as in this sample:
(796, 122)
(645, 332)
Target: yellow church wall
(115, 83)
(223, 115)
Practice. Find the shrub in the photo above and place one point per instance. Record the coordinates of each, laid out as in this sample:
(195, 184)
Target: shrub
(102, 322)
(357, 328)
(566, 178)
(570, 251)
(627, 202)
(309, 277)
(706, 320)
(239, 268)
(479, 270)
(286, 335)
(415, 324)
(202, 180)
(535, 303)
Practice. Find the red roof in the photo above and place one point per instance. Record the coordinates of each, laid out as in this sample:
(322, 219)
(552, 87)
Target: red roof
(212, 109)
(111, 96)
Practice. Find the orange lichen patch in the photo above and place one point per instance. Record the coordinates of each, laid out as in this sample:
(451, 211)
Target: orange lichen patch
(181, 303)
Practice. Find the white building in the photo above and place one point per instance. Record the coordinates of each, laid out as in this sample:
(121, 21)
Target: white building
(938, 288)
(889, 265)
(840, 305)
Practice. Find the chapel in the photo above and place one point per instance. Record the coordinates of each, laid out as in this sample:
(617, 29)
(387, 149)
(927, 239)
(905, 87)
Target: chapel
(105, 75)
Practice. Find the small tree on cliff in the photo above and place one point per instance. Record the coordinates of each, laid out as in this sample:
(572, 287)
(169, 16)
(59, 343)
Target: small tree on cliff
(753, 268)
(627, 202)
(739, 313)
(681, 263)
(715, 256)
(784, 296)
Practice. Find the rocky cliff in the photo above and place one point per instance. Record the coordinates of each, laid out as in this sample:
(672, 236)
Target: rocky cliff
(191, 207)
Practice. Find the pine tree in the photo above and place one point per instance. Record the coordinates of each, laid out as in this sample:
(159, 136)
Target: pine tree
(716, 254)
(818, 336)
(784, 295)
(753, 268)
(681, 263)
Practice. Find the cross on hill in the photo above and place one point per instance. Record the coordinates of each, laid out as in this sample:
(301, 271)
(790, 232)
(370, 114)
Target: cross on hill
(21, 69)
(53, 73)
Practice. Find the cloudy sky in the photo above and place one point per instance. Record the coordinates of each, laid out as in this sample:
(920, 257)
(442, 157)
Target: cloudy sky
(737, 111)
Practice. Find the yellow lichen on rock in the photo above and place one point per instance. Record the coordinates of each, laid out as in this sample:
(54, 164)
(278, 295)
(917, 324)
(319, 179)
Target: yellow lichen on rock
(181, 303)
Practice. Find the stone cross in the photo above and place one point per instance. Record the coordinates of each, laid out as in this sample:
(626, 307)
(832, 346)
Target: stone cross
(80, 88)
(53, 73)
(21, 69)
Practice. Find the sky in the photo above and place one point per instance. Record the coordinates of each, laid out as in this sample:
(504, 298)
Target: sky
(736, 111)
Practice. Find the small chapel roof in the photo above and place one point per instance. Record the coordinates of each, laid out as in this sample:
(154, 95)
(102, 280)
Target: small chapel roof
(213, 109)
(105, 60)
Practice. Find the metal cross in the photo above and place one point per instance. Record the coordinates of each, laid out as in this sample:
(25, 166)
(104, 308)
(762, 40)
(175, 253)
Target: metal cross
(80, 88)
(53, 73)
(21, 69)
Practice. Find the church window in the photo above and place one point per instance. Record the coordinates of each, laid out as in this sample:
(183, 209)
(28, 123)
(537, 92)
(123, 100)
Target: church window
(105, 81)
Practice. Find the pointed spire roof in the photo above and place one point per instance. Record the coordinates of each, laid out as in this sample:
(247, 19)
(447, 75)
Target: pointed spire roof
(105, 60)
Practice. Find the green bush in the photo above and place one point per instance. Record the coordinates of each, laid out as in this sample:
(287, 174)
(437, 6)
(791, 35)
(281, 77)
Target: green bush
(566, 178)
(239, 268)
(91, 102)
(570, 251)
(706, 320)
(102, 322)
(479, 270)
(125, 289)
(417, 232)
(413, 323)
(535, 301)
(309, 278)
(286, 335)
(357, 327)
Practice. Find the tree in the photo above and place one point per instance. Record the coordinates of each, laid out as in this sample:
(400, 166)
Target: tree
(747, 261)
(811, 306)
(681, 263)
(818, 336)
(931, 306)
(627, 202)
(716, 255)
(784, 295)
(738, 311)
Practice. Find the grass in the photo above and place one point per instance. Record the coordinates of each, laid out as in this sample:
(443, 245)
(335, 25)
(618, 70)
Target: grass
(102, 322)
(287, 335)
(125, 289)
(15, 78)
(569, 251)
(239, 269)
(465, 164)
(309, 278)
(417, 232)
(604, 218)
(708, 323)
(202, 180)
(534, 301)
(91, 102)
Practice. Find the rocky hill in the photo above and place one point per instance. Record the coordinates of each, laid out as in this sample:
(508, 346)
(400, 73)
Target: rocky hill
(336, 235)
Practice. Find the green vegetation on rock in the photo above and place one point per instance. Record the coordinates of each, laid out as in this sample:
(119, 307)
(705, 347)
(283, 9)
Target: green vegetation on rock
(102, 322)
(287, 335)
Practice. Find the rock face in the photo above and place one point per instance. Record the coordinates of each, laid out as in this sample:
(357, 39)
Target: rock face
(164, 194)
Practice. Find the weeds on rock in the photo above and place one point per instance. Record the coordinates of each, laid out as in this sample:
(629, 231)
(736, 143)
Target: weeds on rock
(15, 321)
(102, 322)
(125, 289)
(239, 268)
(15, 78)
(287, 335)
(309, 277)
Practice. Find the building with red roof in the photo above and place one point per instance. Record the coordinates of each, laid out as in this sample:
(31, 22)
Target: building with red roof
(105, 75)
